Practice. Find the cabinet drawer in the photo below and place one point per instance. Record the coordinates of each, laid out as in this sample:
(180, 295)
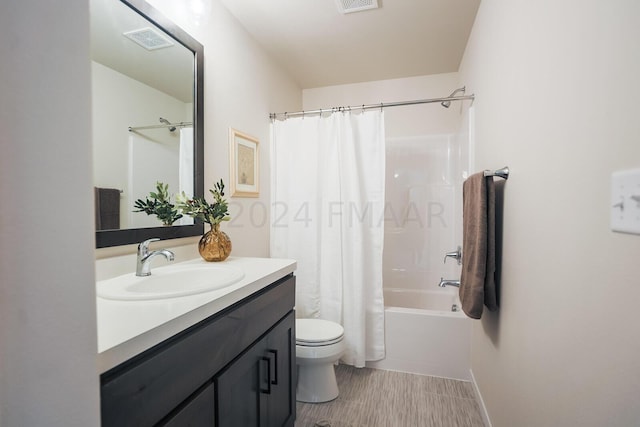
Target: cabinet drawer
(145, 389)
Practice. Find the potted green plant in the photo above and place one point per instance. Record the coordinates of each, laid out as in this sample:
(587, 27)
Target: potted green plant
(158, 203)
(215, 245)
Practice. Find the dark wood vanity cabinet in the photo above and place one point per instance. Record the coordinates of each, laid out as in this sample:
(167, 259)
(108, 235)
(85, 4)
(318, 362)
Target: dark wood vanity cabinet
(236, 368)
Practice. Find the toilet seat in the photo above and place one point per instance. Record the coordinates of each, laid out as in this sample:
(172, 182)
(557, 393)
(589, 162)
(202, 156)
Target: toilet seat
(318, 344)
(317, 332)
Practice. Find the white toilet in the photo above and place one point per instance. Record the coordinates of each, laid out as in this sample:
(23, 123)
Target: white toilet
(319, 345)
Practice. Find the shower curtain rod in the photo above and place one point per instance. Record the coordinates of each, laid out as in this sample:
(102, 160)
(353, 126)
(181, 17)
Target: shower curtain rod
(363, 107)
(168, 125)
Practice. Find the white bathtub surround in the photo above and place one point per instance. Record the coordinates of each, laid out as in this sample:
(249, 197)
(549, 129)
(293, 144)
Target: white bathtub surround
(423, 209)
(328, 214)
(423, 336)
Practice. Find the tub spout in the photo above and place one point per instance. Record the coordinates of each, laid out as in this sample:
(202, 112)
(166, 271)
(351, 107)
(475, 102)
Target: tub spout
(447, 282)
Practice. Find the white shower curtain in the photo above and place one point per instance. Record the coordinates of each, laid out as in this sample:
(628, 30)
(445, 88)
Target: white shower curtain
(327, 213)
(185, 168)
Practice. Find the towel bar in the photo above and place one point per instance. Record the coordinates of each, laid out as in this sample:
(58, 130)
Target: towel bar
(502, 173)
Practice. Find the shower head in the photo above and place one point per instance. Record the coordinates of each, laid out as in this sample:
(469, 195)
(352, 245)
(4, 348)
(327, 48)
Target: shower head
(446, 104)
(167, 122)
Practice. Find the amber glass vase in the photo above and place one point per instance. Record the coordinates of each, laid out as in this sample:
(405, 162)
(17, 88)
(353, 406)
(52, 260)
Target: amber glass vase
(215, 245)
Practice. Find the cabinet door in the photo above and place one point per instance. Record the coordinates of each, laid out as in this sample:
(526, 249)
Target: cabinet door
(238, 388)
(258, 388)
(281, 352)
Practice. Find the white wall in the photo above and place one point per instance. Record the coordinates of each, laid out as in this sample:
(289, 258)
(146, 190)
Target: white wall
(557, 101)
(48, 370)
(242, 86)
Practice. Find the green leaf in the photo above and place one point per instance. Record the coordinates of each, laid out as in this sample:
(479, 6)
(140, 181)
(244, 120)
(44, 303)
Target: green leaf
(160, 205)
(199, 208)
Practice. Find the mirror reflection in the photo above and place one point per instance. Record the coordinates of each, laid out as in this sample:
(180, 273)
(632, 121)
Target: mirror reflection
(147, 100)
(143, 103)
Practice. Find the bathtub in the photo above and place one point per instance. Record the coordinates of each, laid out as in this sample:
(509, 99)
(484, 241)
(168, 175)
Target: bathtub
(424, 336)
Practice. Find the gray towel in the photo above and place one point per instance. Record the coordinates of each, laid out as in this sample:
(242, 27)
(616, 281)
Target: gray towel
(477, 283)
(107, 208)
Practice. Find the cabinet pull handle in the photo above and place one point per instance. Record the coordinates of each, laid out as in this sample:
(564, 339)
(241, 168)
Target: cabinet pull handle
(275, 366)
(268, 390)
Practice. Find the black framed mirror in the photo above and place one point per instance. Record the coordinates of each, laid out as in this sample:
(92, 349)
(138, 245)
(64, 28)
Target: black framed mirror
(147, 98)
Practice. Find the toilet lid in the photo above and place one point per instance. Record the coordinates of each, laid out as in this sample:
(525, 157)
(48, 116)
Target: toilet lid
(317, 331)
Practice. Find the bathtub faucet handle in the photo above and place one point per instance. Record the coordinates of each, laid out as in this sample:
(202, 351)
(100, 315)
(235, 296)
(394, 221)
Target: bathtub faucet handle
(457, 255)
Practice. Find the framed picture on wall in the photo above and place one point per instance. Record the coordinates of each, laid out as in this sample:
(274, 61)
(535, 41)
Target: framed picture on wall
(244, 164)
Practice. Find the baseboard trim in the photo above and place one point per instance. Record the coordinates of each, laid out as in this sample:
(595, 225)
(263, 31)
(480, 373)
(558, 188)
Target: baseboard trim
(483, 408)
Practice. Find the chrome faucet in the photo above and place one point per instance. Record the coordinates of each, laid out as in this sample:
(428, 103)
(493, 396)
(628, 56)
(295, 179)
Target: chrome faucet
(446, 282)
(143, 262)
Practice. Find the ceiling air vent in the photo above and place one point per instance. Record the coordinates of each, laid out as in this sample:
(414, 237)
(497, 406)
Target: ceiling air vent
(148, 38)
(349, 6)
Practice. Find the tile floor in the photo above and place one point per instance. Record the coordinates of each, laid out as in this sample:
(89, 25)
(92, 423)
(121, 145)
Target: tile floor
(376, 398)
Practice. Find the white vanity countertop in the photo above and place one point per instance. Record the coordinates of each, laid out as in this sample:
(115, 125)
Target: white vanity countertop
(127, 328)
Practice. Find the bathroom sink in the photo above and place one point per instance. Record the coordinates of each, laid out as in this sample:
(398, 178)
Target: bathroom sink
(169, 282)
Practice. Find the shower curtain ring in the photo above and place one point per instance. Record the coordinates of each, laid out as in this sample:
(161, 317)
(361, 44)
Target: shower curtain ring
(381, 105)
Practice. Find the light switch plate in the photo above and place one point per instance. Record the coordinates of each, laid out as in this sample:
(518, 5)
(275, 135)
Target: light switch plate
(625, 201)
